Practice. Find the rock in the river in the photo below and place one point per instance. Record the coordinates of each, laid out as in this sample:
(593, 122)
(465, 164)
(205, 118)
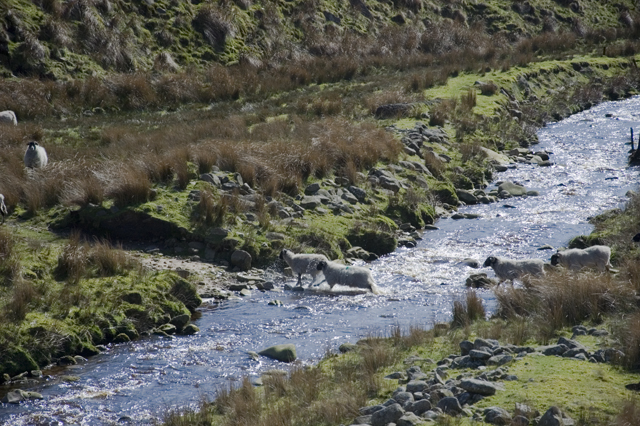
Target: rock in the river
(513, 189)
(284, 353)
(180, 321)
(18, 395)
(190, 329)
(480, 280)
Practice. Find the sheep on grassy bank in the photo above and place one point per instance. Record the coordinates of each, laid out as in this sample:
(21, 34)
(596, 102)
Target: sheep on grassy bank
(595, 257)
(8, 117)
(303, 264)
(35, 157)
(3, 207)
(509, 270)
(351, 276)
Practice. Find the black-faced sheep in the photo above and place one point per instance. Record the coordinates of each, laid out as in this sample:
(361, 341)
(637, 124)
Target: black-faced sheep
(509, 269)
(35, 157)
(3, 207)
(352, 276)
(8, 117)
(303, 264)
(596, 257)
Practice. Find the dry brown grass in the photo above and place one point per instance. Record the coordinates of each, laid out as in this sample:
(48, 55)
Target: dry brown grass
(131, 187)
(467, 311)
(564, 299)
(9, 263)
(629, 414)
(73, 261)
(109, 260)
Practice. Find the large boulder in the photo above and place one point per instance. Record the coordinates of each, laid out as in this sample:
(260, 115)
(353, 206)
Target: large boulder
(466, 196)
(18, 395)
(284, 353)
(241, 259)
(497, 416)
(553, 417)
(450, 405)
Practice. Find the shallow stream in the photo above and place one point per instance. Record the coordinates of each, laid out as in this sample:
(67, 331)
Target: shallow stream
(138, 381)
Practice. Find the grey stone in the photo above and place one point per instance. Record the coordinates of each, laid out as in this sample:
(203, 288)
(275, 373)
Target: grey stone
(190, 329)
(403, 397)
(310, 202)
(241, 259)
(481, 387)
(476, 354)
(571, 344)
(497, 416)
(520, 421)
(359, 193)
(367, 411)
(349, 197)
(211, 178)
(415, 373)
(555, 350)
(513, 189)
(525, 410)
(501, 359)
(363, 420)
(480, 280)
(466, 196)
(312, 189)
(409, 419)
(483, 343)
(394, 376)
(575, 351)
(417, 386)
(553, 417)
(389, 414)
(450, 405)
(18, 395)
(465, 347)
(420, 406)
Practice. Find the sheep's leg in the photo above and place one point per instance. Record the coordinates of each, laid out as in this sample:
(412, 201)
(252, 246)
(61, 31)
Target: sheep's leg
(299, 280)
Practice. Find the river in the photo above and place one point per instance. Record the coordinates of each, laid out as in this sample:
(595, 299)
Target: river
(137, 381)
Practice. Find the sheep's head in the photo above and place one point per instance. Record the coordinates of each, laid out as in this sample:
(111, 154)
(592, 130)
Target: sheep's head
(321, 265)
(32, 145)
(555, 259)
(283, 253)
(491, 260)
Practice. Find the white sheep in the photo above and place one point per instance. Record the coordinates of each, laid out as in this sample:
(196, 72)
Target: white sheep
(509, 270)
(596, 257)
(8, 117)
(352, 276)
(303, 264)
(3, 207)
(35, 157)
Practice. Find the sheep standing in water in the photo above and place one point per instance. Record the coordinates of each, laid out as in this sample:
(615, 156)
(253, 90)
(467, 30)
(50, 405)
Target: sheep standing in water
(8, 117)
(35, 157)
(3, 207)
(509, 270)
(303, 264)
(352, 276)
(595, 257)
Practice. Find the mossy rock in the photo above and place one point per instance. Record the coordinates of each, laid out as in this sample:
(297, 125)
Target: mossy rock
(284, 353)
(417, 216)
(16, 360)
(375, 241)
(584, 241)
(186, 292)
(446, 193)
(121, 338)
(190, 329)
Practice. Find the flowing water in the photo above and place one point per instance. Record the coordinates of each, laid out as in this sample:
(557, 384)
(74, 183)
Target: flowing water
(136, 382)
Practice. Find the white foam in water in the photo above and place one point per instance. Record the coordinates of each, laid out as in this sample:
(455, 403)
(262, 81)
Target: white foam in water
(140, 380)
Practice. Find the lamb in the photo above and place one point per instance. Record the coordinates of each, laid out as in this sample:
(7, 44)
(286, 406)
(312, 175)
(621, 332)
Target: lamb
(8, 117)
(596, 257)
(35, 157)
(352, 276)
(3, 207)
(303, 264)
(509, 270)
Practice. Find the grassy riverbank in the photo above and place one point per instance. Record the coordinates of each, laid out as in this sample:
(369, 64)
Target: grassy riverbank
(178, 128)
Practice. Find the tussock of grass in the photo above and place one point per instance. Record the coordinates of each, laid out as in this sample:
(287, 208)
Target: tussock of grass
(566, 298)
(467, 311)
